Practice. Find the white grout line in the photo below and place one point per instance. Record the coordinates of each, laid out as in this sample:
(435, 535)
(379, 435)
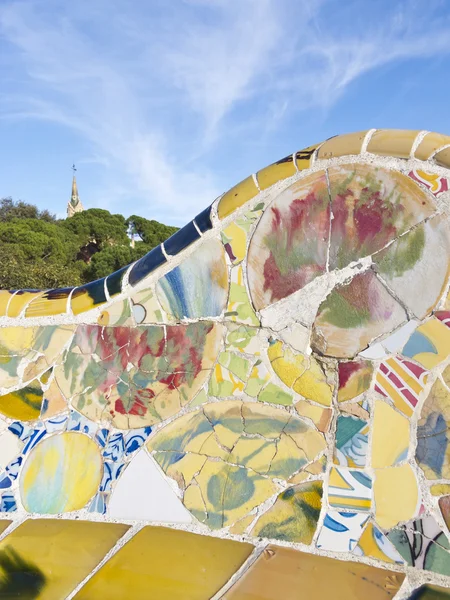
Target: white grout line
(114, 550)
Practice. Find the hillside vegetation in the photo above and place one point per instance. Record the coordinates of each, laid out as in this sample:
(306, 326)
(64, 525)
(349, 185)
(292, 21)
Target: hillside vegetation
(39, 251)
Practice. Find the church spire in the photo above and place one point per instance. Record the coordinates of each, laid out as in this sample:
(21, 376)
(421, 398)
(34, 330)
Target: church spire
(74, 205)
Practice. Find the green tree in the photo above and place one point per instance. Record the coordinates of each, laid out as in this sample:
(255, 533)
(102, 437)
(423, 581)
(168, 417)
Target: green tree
(10, 210)
(98, 226)
(34, 239)
(41, 252)
(151, 232)
(17, 273)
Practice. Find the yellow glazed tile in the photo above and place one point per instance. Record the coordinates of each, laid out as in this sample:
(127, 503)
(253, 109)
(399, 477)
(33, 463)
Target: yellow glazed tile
(442, 158)
(57, 554)
(30, 351)
(321, 417)
(299, 478)
(287, 365)
(5, 297)
(61, 474)
(184, 469)
(318, 466)
(342, 145)
(429, 344)
(374, 544)
(349, 489)
(24, 404)
(242, 446)
(301, 373)
(4, 524)
(193, 501)
(313, 384)
(81, 302)
(282, 169)
(255, 453)
(430, 143)
(294, 515)
(236, 197)
(292, 575)
(395, 370)
(392, 142)
(238, 241)
(20, 300)
(390, 436)
(165, 564)
(52, 302)
(396, 495)
(440, 489)
(237, 491)
(240, 527)
(303, 158)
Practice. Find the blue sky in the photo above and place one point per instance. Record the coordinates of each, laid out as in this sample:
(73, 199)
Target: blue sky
(163, 105)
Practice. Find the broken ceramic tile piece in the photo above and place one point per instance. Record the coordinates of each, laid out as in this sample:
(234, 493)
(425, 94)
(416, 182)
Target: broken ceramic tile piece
(402, 381)
(349, 489)
(418, 260)
(374, 544)
(423, 545)
(238, 447)
(294, 516)
(353, 315)
(352, 442)
(433, 448)
(354, 379)
(341, 531)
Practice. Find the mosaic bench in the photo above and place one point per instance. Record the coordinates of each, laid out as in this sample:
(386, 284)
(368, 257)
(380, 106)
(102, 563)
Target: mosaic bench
(259, 408)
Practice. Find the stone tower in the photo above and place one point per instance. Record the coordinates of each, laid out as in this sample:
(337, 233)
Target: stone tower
(74, 205)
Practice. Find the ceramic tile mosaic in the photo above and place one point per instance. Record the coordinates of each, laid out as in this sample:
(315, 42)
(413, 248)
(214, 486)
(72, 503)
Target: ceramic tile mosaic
(259, 408)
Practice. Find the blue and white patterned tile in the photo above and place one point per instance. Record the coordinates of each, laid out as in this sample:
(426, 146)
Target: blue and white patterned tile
(341, 531)
(8, 503)
(136, 438)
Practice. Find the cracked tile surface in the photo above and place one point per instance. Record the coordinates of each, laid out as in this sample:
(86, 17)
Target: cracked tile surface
(274, 378)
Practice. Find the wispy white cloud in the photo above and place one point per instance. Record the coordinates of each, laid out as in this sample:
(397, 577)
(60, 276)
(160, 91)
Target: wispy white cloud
(153, 87)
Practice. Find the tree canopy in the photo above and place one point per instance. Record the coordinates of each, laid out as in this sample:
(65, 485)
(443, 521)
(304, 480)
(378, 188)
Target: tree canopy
(39, 251)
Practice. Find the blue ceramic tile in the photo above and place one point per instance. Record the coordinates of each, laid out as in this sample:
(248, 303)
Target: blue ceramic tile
(34, 438)
(78, 422)
(57, 293)
(14, 467)
(19, 429)
(134, 439)
(203, 220)
(181, 239)
(101, 436)
(98, 504)
(145, 265)
(8, 503)
(5, 481)
(198, 287)
(115, 447)
(114, 281)
(111, 471)
(56, 424)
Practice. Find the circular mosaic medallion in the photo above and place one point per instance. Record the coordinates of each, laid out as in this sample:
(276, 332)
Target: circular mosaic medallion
(374, 230)
(61, 474)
